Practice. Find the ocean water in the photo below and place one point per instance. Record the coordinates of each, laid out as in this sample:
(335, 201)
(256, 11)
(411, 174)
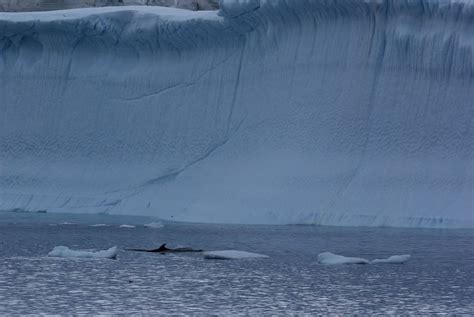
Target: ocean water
(439, 278)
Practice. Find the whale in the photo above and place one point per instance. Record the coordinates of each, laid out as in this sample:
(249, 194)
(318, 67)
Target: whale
(164, 249)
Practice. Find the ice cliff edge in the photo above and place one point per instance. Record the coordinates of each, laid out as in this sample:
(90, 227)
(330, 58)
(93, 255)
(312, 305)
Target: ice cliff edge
(341, 112)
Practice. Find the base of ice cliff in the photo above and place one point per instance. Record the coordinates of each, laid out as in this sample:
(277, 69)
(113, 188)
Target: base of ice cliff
(44, 5)
(333, 112)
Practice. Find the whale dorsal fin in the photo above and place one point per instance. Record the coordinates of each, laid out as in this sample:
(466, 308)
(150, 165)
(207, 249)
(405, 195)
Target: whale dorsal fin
(163, 248)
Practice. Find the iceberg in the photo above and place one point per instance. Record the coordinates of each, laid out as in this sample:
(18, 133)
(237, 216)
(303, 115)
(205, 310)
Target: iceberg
(329, 258)
(326, 112)
(232, 255)
(65, 252)
(394, 259)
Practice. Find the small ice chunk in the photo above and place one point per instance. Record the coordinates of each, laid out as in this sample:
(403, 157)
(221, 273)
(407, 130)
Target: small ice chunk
(100, 225)
(65, 223)
(394, 259)
(65, 252)
(127, 226)
(154, 225)
(232, 255)
(331, 259)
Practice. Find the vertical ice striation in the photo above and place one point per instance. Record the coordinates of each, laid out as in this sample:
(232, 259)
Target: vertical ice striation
(340, 112)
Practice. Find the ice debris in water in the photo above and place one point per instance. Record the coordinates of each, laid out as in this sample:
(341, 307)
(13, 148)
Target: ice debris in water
(331, 258)
(127, 226)
(394, 259)
(65, 252)
(154, 225)
(232, 255)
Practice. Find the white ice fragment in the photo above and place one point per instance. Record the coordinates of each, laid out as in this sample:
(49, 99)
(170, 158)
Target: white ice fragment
(394, 259)
(154, 225)
(126, 226)
(232, 255)
(331, 259)
(65, 252)
(100, 225)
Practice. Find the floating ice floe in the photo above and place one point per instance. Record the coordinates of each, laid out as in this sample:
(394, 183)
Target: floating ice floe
(232, 255)
(154, 225)
(65, 252)
(100, 225)
(394, 259)
(126, 226)
(331, 259)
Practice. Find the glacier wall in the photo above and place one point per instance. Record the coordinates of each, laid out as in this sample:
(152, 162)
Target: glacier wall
(334, 112)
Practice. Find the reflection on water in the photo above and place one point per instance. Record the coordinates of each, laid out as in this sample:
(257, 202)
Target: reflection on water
(437, 279)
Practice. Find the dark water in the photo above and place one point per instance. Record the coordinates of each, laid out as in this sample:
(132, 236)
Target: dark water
(437, 279)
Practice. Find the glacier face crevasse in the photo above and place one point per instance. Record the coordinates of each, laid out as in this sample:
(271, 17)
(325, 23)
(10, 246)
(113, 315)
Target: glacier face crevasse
(339, 112)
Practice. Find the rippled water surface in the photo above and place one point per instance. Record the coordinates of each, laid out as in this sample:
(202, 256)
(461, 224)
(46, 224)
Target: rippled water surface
(437, 279)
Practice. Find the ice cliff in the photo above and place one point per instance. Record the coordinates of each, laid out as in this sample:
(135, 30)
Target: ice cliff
(337, 112)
